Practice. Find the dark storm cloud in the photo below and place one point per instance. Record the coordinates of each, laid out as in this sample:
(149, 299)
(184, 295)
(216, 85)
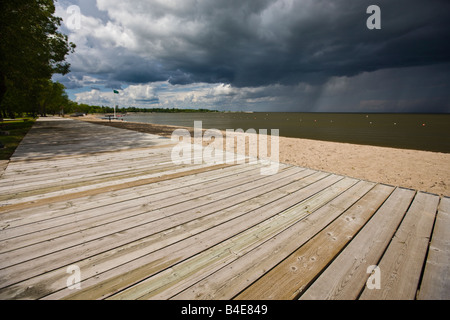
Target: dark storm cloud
(252, 43)
(304, 54)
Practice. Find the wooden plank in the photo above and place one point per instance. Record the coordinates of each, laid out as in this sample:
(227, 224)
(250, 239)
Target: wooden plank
(88, 159)
(88, 180)
(227, 251)
(97, 174)
(123, 276)
(233, 278)
(44, 153)
(35, 170)
(140, 214)
(56, 210)
(33, 184)
(435, 284)
(30, 180)
(289, 278)
(60, 187)
(346, 276)
(401, 265)
(68, 181)
(55, 280)
(127, 213)
(69, 137)
(115, 210)
(82, 191)
(140, 234)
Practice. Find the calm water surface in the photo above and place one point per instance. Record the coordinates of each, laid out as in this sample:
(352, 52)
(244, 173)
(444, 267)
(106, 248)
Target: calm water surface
(429, 132)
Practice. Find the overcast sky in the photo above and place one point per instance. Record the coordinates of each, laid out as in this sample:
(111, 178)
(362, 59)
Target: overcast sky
(260, 55)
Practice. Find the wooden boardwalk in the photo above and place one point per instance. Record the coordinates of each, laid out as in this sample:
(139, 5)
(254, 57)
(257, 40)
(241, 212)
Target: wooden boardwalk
(109, 207)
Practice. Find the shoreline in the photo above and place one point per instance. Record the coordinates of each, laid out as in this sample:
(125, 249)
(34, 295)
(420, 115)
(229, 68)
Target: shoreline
(414, 169)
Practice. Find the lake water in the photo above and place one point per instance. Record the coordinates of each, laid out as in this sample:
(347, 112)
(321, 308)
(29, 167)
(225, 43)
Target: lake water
(429, 132)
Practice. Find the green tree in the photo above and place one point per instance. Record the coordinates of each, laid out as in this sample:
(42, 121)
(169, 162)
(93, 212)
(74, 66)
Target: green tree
(51, 97)
(31, 49)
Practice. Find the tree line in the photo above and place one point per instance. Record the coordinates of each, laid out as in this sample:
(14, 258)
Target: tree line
(74, 107)
(32, 50)
(164, 110)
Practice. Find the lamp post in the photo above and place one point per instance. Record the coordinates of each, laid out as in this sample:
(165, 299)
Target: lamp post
(115, 92)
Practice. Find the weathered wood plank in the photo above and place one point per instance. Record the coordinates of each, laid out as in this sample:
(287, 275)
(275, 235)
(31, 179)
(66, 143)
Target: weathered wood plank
(289, 278)
(55, 210)
(140, 214)
(36, 170)
(88, 159)
(70, 137)
(227, 282)
(55, 280)
(346, 276)
(114, 210)
(401, 265)
(92, 178)
(435, 284)
(128, 274)
(76, 191)
(69, 181)
(28, 180)
(114, 242)
(227, 251)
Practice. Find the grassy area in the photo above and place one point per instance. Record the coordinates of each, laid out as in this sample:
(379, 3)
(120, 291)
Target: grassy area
(17, 129)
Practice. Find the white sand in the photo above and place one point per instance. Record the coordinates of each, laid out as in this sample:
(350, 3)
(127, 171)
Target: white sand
(420, 170)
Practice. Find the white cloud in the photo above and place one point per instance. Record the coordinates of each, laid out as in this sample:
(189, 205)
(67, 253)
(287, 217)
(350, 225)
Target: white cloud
(107, 35)
(95, 97)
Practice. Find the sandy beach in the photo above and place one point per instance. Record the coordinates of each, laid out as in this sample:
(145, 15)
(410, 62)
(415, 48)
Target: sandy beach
(419, 170)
